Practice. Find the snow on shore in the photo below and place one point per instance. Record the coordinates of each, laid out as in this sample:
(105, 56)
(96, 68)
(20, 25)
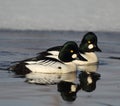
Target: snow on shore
(91, 15)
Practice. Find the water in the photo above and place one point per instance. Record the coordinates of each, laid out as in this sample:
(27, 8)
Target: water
(19, 45)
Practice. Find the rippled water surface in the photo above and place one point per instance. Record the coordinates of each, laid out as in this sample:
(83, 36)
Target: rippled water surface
(32, 91)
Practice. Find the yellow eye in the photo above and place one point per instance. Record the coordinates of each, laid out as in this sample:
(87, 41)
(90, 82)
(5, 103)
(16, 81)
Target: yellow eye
(71, 51)
(89, 42)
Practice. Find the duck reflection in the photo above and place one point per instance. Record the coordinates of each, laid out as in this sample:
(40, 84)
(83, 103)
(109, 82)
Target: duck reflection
(68, 90)
(49, 79)
(88, 68)
(88, 77)
(86, 82)
(68, 84)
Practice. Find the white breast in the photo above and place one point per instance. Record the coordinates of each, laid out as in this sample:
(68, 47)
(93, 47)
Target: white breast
(90, 57)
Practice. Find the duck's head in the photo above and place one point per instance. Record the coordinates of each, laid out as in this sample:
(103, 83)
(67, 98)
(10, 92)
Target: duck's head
(70, 52)
(89, 43)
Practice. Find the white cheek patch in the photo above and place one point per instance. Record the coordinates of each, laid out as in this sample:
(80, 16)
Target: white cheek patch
(90, 46)
(89, 79)
(74, 56)
(73, 88)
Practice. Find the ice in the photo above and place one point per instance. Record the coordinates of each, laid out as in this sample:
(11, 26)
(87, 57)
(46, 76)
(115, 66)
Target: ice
(82, 15)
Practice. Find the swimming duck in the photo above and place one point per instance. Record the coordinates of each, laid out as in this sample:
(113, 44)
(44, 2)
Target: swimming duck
(87, 49)
(46, 64)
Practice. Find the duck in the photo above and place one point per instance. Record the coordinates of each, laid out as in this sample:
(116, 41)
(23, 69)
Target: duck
(87, 49)
(44, 63)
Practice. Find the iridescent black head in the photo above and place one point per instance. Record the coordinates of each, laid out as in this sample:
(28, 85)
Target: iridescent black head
(70, 52)
(89, 43)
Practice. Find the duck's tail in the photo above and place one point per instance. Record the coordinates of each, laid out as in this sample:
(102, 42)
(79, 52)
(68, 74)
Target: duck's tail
(19, 69)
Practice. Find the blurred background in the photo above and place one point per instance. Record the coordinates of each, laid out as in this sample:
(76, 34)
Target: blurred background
(82, 15)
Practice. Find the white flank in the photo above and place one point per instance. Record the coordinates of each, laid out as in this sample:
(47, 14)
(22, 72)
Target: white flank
(51, 67)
